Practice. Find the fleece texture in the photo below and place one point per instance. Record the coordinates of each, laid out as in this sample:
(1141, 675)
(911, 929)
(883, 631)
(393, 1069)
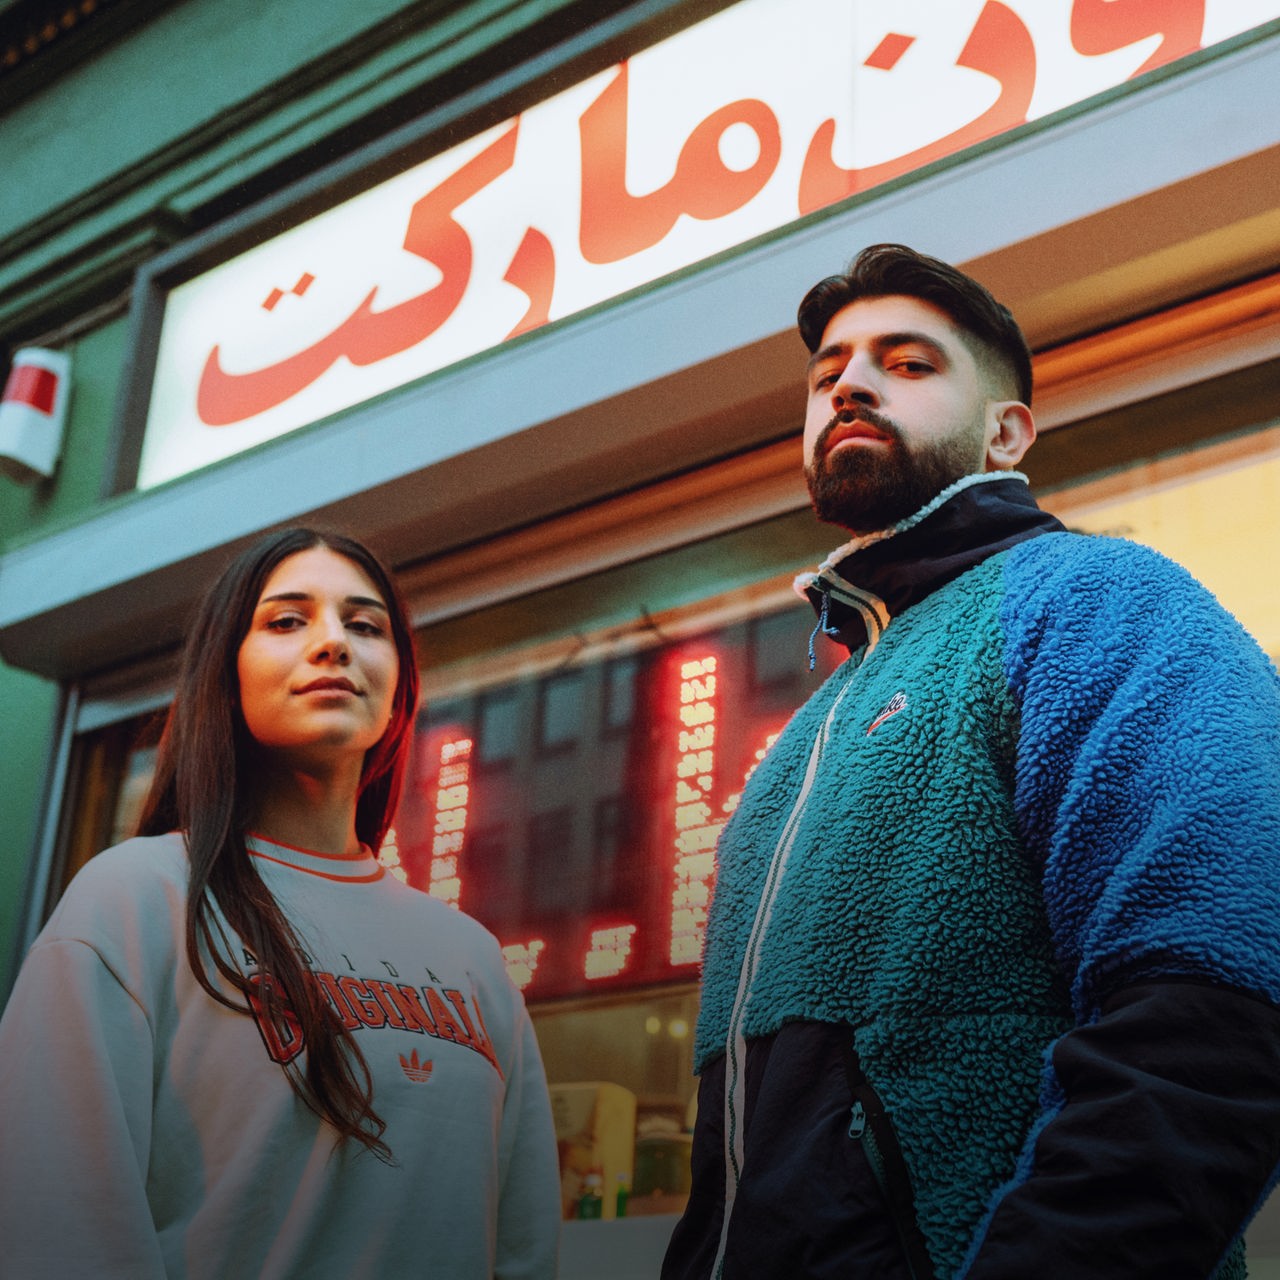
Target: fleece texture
(1052, 776)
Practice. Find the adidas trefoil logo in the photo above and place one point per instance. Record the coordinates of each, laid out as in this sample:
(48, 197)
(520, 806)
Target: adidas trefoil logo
(891, 708)
(417, 1070)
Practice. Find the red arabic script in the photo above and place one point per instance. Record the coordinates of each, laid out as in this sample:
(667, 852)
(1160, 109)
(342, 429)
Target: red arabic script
(366, 335)
(616, 224)
(533, 272)
(1102, 26)
(999, 46)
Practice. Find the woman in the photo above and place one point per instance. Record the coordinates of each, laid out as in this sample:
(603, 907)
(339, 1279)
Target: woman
(239, 1048)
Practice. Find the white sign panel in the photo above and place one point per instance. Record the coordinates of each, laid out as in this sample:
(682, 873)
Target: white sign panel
(736, 126)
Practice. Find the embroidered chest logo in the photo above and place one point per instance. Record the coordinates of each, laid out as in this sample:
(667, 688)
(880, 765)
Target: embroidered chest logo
(439, 1012)
(418, 1070)
(891, 708)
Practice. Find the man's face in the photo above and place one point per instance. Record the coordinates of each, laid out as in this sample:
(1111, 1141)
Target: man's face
(898, 409)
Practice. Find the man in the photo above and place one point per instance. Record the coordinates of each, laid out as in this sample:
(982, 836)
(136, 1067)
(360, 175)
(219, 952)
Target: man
(992, 969)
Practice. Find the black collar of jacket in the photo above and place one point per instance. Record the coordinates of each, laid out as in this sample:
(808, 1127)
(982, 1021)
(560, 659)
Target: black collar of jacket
(872, 579)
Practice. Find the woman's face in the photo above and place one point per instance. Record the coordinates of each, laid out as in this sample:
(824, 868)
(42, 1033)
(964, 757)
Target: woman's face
(318, 666)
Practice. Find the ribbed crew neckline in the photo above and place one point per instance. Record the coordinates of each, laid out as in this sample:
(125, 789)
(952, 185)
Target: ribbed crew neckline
(350, 868)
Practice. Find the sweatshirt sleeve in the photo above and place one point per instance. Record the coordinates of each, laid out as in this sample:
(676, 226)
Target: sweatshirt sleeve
(76, 1070)
(1146, 786)
(529, 1204)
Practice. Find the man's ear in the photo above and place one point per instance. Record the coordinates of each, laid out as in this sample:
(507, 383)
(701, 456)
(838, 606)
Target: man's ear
(1011, 431)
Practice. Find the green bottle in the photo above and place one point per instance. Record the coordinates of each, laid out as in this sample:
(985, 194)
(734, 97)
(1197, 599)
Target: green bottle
(591, 1202)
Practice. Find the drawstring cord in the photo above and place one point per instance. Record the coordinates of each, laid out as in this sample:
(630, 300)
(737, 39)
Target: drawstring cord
(821, 626)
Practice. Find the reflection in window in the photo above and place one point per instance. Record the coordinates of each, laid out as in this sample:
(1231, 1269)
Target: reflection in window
(493, 875)
(608, 829)
(560, 711)
(608, 843)
(499, 728)
(592, 847)
(773, 647)
(551, 858)
(618, 704)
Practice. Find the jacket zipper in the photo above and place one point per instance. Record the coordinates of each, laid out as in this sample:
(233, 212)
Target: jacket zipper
(735, 1055)
(869, 1125)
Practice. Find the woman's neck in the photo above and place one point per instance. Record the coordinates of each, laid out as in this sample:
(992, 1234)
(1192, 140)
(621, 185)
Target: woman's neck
(315, 811)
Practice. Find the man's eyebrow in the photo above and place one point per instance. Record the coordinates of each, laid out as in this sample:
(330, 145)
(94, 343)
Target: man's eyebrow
(367, 602)
(828, 352)
(912, 338)
(881, 342)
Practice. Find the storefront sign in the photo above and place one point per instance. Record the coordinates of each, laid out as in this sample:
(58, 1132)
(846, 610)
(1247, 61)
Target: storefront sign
(762, 114)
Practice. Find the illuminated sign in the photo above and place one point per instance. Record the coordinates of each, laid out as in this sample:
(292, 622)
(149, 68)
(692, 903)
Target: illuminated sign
(759, 115)
(696, 829)
(521, 959)
(389, 856)
(609, 953)
(450, 828)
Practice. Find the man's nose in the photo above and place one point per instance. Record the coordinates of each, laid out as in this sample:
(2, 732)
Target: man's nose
(856, 386)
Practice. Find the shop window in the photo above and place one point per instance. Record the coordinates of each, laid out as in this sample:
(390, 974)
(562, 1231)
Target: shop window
(618, 836)
(1214, 509)
(621, 1074)
(114, 767)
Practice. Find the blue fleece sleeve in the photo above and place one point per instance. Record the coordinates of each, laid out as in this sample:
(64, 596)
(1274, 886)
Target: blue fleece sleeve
(1148, 769)
(1148, 790)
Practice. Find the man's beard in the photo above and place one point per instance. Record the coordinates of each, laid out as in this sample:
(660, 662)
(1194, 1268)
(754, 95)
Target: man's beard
(867, 488)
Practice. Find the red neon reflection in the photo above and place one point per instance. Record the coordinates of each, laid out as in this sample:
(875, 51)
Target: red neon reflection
(696, 829)
(522, 961)
(449, 830)
(389, 856)
(609, 953)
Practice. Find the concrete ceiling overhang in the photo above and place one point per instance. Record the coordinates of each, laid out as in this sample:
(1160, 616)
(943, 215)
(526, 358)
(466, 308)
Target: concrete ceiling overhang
(1158, 192)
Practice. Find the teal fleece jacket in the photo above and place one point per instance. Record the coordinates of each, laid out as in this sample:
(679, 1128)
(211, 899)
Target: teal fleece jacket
(1043, 776)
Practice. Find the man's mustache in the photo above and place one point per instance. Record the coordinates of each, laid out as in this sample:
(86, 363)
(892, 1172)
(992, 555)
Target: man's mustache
(845, 417)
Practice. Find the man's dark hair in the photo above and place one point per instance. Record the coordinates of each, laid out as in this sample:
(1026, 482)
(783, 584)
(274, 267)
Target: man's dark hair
(884, 270)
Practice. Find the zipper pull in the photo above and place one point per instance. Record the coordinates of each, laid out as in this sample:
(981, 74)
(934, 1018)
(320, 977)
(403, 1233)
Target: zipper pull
(857, 1121)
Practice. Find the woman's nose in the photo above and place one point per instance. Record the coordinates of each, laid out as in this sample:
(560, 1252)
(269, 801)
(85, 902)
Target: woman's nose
(331, 642)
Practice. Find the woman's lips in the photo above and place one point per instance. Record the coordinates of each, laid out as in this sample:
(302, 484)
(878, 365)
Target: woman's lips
(329, 684)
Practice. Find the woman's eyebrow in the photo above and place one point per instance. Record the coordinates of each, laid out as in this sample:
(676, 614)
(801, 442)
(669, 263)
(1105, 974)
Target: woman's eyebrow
(368, 602)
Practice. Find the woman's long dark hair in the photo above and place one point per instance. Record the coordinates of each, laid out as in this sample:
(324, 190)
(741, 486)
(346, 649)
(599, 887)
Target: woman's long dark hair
(203, 787)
